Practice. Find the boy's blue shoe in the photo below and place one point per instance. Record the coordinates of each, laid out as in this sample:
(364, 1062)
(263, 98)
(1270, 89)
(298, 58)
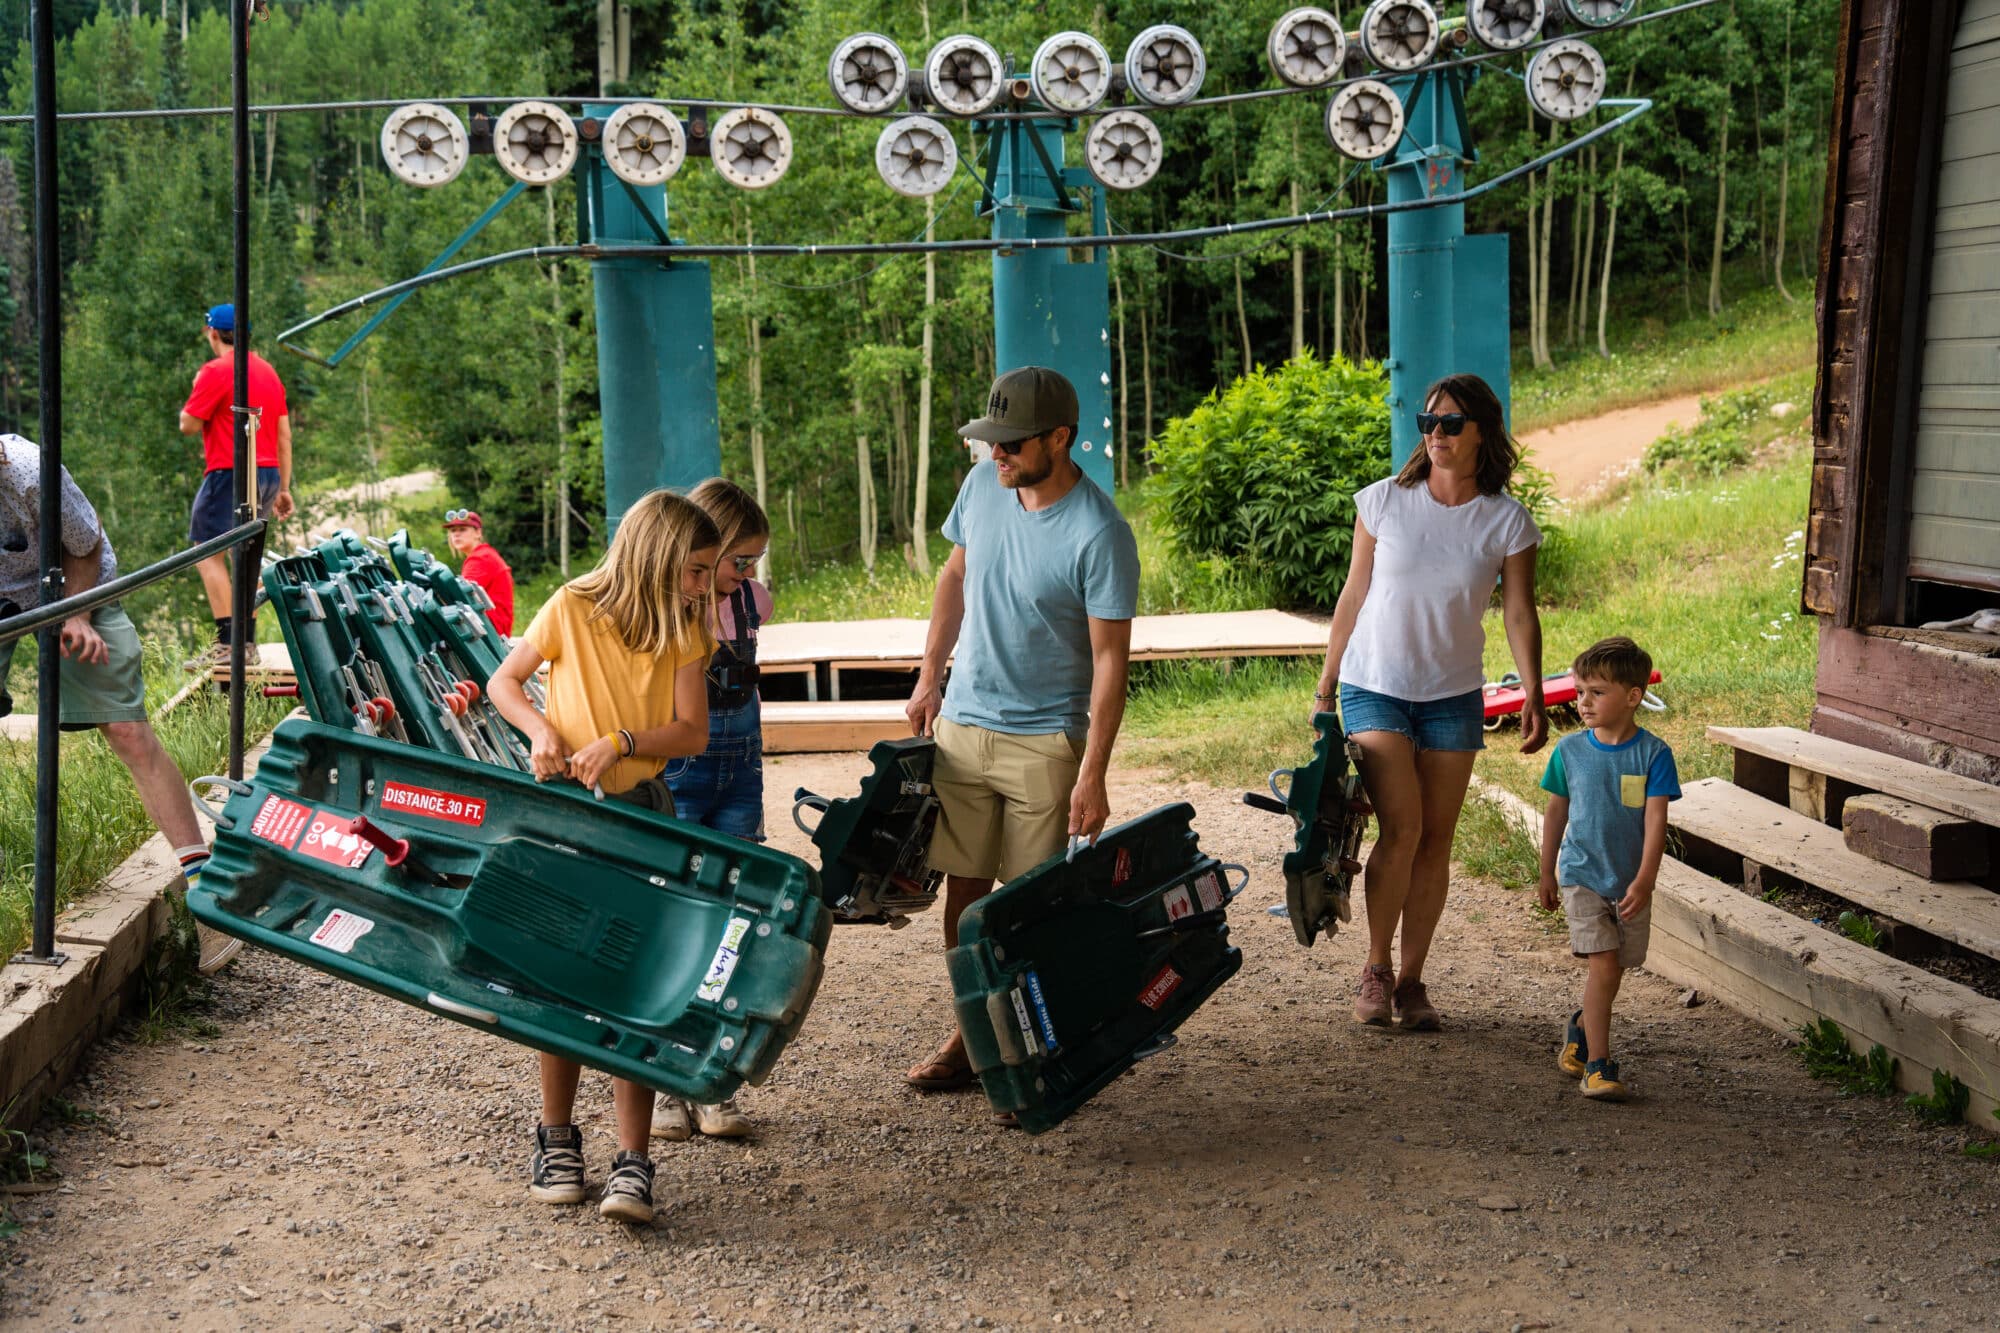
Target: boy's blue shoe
(1600, 1081)
(1575, 1052)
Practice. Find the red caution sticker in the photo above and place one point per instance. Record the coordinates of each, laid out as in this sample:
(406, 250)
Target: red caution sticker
(279, 820)
(1121, 867)
(405, 800)
(1163, 984)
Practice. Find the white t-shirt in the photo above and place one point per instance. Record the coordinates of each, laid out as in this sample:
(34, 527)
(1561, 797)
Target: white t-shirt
(1419, 634)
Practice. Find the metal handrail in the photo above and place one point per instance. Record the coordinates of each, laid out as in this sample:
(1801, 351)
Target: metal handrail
(30, 621)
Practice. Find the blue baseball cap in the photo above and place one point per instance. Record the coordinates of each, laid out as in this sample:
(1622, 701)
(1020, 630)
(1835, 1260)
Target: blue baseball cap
(222, 318)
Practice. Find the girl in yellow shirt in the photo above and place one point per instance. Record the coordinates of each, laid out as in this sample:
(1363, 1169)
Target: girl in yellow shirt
(627, 645)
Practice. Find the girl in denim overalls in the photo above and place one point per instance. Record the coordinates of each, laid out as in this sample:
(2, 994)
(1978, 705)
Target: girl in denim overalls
(723, 787)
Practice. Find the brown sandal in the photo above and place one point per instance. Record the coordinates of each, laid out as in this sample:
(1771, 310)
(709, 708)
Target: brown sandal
(941, 1074)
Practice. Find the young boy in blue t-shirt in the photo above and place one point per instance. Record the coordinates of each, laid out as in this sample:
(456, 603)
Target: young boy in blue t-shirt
(1602, 839)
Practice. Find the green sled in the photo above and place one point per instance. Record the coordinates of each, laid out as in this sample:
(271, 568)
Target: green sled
(1329, 814)
(1074, 972)
(658, 951)
(875, 847)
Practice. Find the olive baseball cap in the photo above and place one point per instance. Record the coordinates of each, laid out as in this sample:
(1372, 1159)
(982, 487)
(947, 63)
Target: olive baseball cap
(1024, 403)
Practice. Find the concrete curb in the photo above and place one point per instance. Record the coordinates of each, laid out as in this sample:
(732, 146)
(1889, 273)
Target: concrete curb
(49, 1016)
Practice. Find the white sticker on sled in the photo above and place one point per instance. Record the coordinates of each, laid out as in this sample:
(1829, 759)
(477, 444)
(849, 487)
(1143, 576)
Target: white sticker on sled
(340, 930)
(1209, 886)
(723, 966)
(1021, 1017)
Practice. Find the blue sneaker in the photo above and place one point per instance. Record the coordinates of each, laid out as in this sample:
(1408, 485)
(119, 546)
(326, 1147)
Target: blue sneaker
(1600, 1082)
(1575, 1054)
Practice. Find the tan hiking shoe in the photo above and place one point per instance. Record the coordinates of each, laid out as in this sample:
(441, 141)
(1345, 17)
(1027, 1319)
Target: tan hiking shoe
(722, 1121)
(1371, 1000)
(217, 950)
(670, 1119)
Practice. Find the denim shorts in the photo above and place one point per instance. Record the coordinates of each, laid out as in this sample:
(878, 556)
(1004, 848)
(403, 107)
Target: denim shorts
(1456, 723)
(723, 787)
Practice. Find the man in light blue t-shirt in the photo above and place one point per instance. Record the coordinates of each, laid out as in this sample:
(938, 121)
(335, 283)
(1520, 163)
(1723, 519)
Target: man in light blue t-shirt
(1037, 599)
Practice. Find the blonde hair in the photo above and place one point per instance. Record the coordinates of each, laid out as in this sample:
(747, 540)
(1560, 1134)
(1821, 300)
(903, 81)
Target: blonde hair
(636, 586)
(738, 516)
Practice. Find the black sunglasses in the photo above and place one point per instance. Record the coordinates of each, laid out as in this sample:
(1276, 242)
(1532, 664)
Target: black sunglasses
(1011, 447)
(1442, 423)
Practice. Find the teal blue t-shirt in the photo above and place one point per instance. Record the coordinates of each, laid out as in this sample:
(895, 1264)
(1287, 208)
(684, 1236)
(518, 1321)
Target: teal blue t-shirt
(1607, 787)
(1033, 580)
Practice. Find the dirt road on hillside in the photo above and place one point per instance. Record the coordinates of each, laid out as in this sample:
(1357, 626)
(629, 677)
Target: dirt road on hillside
(332, 1159)
(1583, 456)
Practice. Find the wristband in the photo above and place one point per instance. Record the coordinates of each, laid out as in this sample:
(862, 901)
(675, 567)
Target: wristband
(631, 746)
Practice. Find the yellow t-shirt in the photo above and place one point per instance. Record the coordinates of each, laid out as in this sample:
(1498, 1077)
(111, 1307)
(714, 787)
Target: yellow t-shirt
(597, 684)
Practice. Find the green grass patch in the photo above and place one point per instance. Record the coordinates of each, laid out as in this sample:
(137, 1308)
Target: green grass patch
(1758, 336)
(100, 819)
(1733, 428)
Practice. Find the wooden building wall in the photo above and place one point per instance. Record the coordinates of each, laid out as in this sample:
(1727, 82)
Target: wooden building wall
(1925, 697)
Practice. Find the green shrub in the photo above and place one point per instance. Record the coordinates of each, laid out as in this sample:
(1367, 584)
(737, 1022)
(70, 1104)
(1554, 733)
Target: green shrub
(1945, 1104)
(1729, 430)
(1265, 472)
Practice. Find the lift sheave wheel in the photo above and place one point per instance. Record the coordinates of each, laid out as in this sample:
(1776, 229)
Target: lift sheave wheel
(963, 75)
(1505, 25)
(536, 142)
(644, 144)
(1164, 65)
(424, 144)
(751, 147)
(1123, 150)
(1072, 72)
(1600, 13)
(868, 73)
(1365, 119)
(1307, 48)
(1399, 35)
(1566, 79)
(916, 156)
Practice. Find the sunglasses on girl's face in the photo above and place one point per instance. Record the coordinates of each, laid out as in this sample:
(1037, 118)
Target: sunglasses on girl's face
(745, 563)
(1440, 423)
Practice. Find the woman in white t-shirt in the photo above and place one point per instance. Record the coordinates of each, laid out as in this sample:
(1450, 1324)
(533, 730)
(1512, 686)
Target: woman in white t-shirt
(1404, 659)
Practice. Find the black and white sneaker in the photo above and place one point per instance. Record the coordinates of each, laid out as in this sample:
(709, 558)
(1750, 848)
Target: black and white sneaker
(628, 1194)
(558, 1167)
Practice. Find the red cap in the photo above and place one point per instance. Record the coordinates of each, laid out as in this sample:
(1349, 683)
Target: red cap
(462, 518)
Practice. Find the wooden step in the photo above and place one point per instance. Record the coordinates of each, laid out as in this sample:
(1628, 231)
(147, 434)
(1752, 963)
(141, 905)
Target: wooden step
(1923, 841)
(818, 728)
(1771, 835)
(1787, 750)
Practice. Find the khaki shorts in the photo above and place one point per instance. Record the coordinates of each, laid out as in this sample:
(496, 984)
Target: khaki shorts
(1003, 800)
(93, 695)
(1595, 927)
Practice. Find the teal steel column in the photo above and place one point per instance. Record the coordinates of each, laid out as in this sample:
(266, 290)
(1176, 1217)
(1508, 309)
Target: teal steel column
(655, 343)
(1051, 307)
(1448, 302)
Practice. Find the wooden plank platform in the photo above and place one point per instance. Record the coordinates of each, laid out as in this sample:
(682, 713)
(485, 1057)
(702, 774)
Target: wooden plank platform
(1771, 835)
(805, 728)
(1867, 769)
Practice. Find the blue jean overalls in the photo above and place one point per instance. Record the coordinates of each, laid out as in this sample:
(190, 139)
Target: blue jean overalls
(723, 787)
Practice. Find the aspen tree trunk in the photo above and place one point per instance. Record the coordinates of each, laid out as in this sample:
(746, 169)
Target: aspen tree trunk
(1146, 380)
(607, 44)
(1610, 235)
(1575, 261)
(1548, 227)
(1784, 162)
(1298, 257)
(1589, 251)
(919, 525)
(1124, 378)
(864, 488)
(1339, 290)
(754, 374)
(1535, 352)
(270, 156)
(1242, 314)
(1721, 217)
(562, 402)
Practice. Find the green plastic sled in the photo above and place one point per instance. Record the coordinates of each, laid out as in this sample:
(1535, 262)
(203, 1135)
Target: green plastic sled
(653, 949)
(875, 847)
(1071, 974)
(1329, 813)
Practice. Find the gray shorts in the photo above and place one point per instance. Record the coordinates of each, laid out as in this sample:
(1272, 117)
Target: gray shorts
(1595, 927)
(94, 695)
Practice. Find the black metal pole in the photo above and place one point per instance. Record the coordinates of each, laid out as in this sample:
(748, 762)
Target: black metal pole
(243, 567)
(48, 315)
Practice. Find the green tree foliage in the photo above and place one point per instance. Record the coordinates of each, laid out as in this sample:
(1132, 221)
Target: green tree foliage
(1265, 472)
(492, 379)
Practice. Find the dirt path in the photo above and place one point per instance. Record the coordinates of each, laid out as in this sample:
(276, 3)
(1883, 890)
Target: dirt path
(335, 1160)
(1584, 455)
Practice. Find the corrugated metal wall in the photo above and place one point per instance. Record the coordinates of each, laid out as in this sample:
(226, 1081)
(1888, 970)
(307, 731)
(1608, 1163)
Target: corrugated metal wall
(1955, 498)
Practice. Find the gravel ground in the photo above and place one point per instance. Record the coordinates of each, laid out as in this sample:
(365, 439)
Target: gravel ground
(336, 1160)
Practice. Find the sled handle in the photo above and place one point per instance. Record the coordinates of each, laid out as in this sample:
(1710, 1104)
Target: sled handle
(477, 1015)
(805, 800)
(1233, 894)
(234, 788)
(1078, 844)
(1285, 795)
(1652, 702)
(1164, 1042)
(1257, 800)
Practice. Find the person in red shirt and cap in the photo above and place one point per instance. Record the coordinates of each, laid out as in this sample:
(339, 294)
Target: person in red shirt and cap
(483, 564)
(208, 413)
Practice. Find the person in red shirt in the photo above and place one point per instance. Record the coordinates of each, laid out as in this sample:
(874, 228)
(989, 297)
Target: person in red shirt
(208, 413)
(483, 565)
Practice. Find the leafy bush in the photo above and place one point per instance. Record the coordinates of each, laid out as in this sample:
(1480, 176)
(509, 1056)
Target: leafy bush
(1823, 1047)
(1945, 1104)
(1729, 430)
(1265, 472)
